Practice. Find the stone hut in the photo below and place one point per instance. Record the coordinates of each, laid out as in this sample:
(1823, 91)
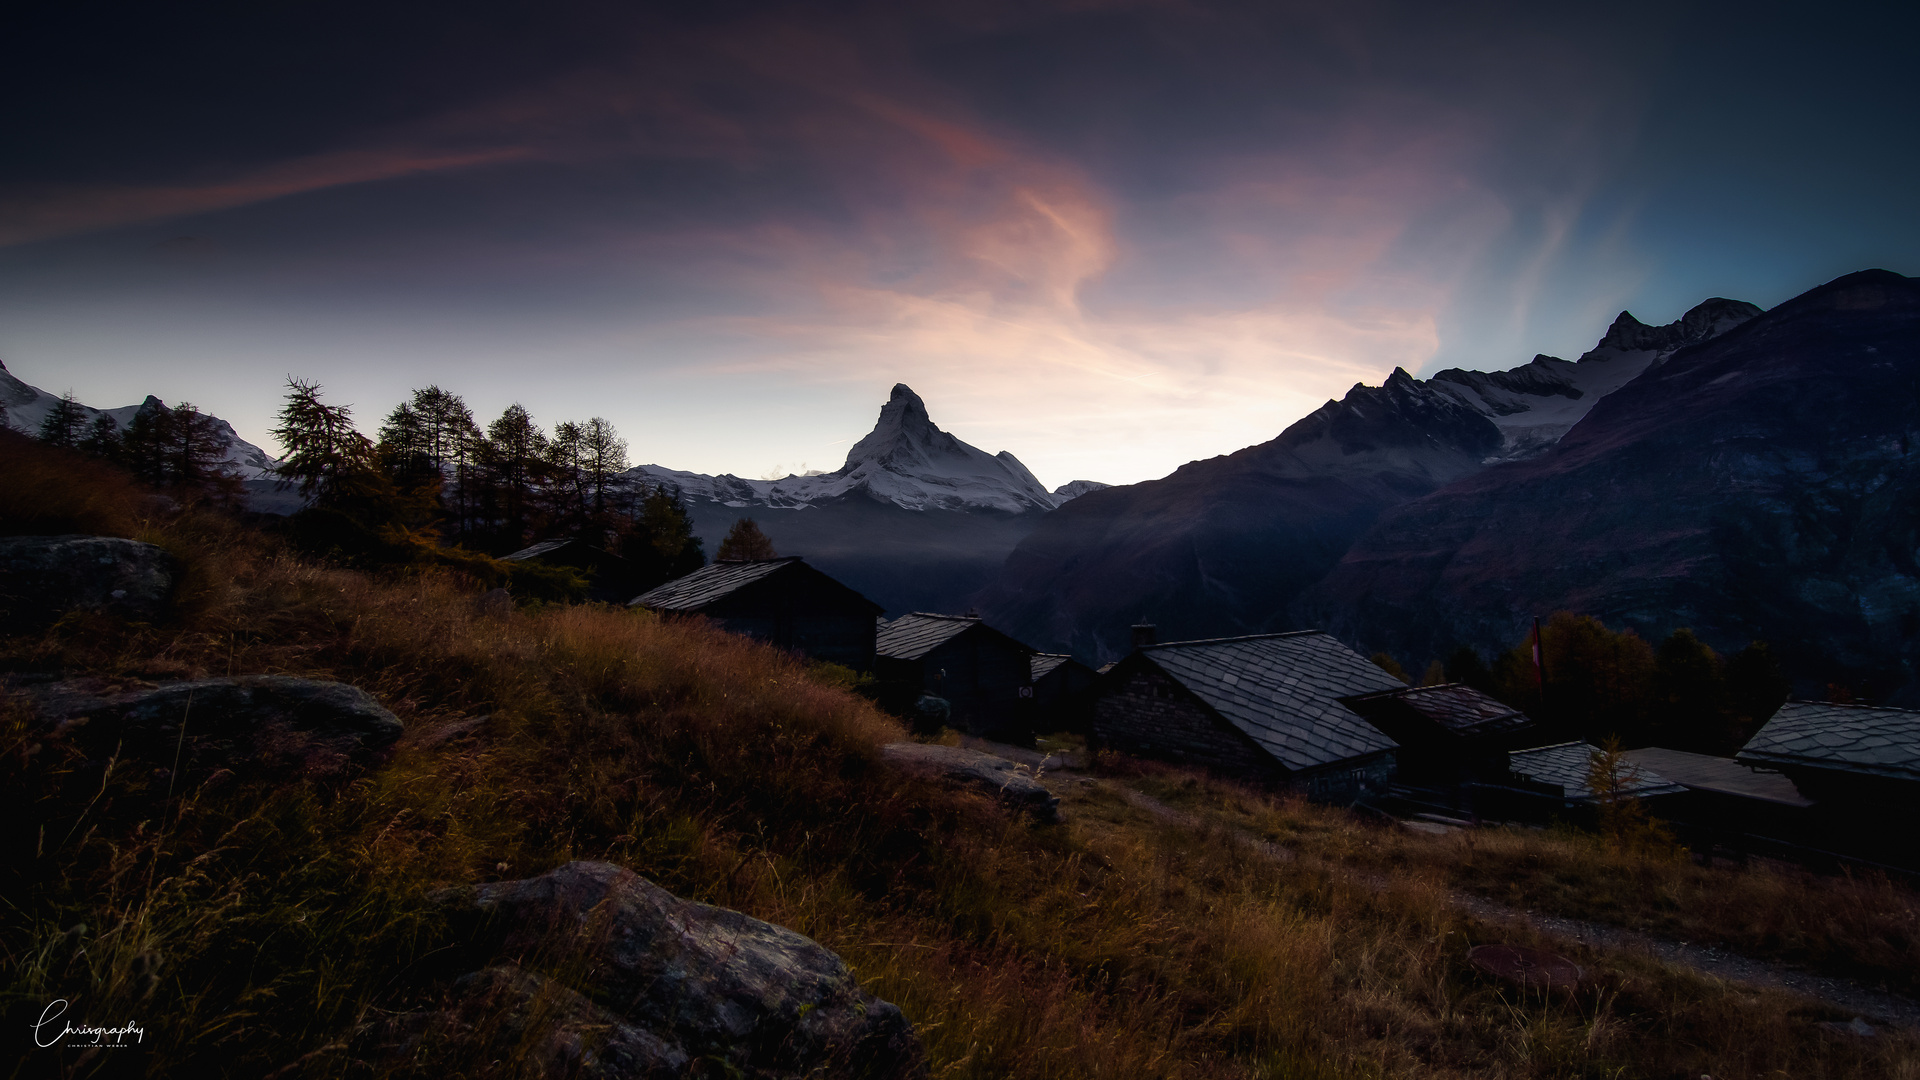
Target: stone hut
(984, 675)
(783, 602)
(1268, 708)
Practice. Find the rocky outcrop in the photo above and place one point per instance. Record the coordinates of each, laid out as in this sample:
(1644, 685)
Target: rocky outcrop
(251, 723)
(44, 577)
(1010, 782)
(594, 971)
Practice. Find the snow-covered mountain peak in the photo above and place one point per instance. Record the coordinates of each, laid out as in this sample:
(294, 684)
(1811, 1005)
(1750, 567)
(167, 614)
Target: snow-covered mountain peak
(27, 407)
(906, 460)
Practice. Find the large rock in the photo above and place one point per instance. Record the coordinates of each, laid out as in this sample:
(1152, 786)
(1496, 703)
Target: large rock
(258, 721)
(1008, 781)
(552, 1030)
(44, 577)
(671, 981)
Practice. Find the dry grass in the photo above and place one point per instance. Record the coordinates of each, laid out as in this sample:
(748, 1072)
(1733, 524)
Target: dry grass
(1864, 927)
(251, 925)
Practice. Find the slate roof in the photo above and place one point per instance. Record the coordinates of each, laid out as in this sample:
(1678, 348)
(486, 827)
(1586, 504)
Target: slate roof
(1850, 738)
(1044, 663)
(1283, 691)
(1458, 708)
(710, 583)
(544, 547)
(1717, 774)
(918, 633)
(1565, 764)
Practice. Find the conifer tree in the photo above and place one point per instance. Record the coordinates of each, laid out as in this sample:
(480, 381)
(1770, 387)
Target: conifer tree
(103, 439)
(64, 423)
(325, 456)
(603, 457)
(745, 543)
(515, 450)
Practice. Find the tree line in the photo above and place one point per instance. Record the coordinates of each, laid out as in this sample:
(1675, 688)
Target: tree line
(433, 475)
(1598, 683)
(178, 448)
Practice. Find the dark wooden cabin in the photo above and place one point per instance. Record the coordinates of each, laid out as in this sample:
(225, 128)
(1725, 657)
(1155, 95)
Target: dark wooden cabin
(1861, 767)
(783, 602)
(610, 578)
(1062, 693)
(1730, 805)
(1449, 735)
(980, 672)
(1266, 708)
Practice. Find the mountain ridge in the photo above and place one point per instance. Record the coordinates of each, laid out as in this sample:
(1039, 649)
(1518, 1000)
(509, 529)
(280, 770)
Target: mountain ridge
(1223, 545)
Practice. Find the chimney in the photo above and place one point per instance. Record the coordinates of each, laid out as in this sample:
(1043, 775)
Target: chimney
(1143, 633)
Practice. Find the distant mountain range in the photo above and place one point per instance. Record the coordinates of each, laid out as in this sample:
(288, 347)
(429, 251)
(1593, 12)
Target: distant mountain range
(1762, 483)
(27, 407)
(1224, 546)
(916, 519)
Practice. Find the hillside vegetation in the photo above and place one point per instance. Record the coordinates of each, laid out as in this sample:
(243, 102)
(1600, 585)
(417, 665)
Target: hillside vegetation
(250, 925)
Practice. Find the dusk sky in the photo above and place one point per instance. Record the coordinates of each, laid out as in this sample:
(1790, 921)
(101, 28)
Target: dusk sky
(1108, 237)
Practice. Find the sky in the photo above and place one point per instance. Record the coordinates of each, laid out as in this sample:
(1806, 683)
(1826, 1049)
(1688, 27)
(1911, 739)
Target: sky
(1108, 237)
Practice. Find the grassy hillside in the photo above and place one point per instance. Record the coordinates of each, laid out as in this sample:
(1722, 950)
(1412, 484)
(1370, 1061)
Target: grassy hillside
(249, 925)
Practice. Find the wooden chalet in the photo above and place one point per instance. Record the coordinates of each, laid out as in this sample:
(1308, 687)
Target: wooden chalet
(1861, 767)
(783, 602)
(1267, 708)
(1062, 693)
(1449, 735)
(1728, 804)
(985, 676)
(610, 578)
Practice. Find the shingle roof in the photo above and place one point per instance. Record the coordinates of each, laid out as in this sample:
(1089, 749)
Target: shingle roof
(1565, 764)
(1718, 774)
(1283, 691)
(1460, 709)
(1045, 662)
(710, 583)
(1852, 738)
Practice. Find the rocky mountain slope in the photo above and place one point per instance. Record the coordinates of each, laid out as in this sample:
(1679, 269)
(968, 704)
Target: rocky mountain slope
(27, 407)
(1761, 484)
(916, 519)
(1223, 546)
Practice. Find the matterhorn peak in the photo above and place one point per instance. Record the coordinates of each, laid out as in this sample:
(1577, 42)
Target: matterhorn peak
(905, 460)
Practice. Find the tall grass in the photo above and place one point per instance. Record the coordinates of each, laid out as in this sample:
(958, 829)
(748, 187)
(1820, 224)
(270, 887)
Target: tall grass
(252, 923)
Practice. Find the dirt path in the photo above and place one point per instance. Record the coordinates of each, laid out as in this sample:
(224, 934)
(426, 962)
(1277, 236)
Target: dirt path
(1835, 993)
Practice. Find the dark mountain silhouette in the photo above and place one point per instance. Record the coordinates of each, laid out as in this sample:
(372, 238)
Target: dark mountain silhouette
(1223, 546)
(1763, 484)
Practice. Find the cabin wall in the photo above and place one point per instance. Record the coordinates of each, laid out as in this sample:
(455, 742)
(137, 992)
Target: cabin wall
(981, 675)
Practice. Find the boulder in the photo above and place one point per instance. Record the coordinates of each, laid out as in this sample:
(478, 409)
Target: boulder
(668, 980)
(1009, 781)
(254, 721)
(44, 577)
(552, 1030)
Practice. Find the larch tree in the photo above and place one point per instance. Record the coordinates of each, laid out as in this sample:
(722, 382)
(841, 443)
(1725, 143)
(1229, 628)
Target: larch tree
(63, 424)
(324, 454)
(745, 543)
